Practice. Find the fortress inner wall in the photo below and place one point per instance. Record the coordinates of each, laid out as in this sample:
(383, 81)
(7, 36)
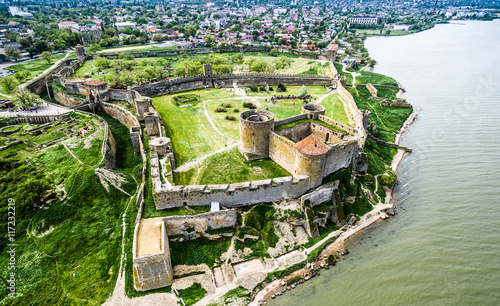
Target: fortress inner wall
(298, 132)
(201, 223)
(232, 195)
(340, 156)
(282, 151)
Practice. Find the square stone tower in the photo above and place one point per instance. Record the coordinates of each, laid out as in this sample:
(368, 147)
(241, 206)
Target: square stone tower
(207, 70)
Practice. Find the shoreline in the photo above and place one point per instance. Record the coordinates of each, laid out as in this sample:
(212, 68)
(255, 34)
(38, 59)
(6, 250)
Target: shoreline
(337, 246)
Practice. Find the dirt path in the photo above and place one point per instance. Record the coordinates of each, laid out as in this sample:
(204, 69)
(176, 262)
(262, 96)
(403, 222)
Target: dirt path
(207, 115)
(199, 160)
(73, 154)
(344, 66)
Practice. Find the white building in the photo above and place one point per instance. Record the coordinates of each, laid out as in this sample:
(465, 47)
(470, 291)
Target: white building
(19, 11)
(126, 24)
(364, 19)
(69, 24)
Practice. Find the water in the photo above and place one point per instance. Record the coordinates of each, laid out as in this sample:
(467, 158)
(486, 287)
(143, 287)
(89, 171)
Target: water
(443, 248)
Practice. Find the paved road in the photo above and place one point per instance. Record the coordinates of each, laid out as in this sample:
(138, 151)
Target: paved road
(43, 110)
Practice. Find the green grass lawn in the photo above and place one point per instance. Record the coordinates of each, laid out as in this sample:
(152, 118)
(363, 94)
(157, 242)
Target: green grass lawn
(375, 78)
(230, 167)
(348, 76)
(388, 119)
(191, 134)
(334, 109)
(376, 32)
(36, 66)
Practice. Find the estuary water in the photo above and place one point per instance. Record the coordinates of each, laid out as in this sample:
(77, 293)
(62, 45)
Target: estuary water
(443, 247)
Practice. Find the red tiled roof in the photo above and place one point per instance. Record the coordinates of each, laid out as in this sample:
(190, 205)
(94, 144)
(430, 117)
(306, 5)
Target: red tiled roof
(312, 145)
(79, 46)
(94, 83)
(333, 47)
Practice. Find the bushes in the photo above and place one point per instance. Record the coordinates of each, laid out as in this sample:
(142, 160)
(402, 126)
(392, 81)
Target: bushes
(198, 251)
(249, 105)
(231, 118)
(192, 294)
(254, 88)
(220, 110)
(281, 88)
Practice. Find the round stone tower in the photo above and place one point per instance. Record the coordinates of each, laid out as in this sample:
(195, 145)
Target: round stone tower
(313, 110)
(310, 158)
(254, 133)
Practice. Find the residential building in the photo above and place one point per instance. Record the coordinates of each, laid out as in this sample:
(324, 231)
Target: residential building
(126, 24)
(90, 35)
(364, 20)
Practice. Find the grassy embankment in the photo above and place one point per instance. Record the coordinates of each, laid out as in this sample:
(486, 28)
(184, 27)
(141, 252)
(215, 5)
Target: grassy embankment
(34, 67)
(72, 252)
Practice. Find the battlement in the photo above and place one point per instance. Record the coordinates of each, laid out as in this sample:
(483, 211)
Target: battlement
(230, 195)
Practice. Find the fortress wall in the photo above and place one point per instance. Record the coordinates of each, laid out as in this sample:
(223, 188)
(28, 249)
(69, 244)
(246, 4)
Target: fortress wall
(123, 95)
(155, 270)
(227, 80)
(282, 151)
(232, 195)
(298, 132)
(65, 99)
(119, 113)
(320, 195)
(323, 131)
(257, 79)
(340, 156)
(176, 85)
(290, 119)
(140, 54)
(179, 225)
(346, 97)
(371, 89)
(347, 128)
(38, 85)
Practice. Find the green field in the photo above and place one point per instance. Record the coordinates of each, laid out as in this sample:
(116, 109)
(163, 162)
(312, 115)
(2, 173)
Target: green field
(334, 109)
(191, 134)
(229, 167)
(69, 251)
(375, 78)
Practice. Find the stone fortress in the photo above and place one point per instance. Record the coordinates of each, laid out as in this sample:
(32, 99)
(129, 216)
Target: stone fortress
(309, 146)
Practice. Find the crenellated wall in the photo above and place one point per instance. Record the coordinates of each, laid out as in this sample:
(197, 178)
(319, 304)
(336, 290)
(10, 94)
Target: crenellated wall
(196, 226)
(228, 80)
(282, 151)
(290, 119)
(341, 155)
(230, 195)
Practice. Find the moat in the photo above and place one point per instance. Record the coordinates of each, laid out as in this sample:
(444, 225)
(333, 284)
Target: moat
(442, 246)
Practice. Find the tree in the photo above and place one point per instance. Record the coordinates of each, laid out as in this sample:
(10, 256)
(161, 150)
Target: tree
(157, 37)
(190, 31)
(8, 83)
(46, 55)
(25, 98)
(101, 62)
(20, 77)
(93, 48)
(12, 53)
(303, 91)
(24, 42)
